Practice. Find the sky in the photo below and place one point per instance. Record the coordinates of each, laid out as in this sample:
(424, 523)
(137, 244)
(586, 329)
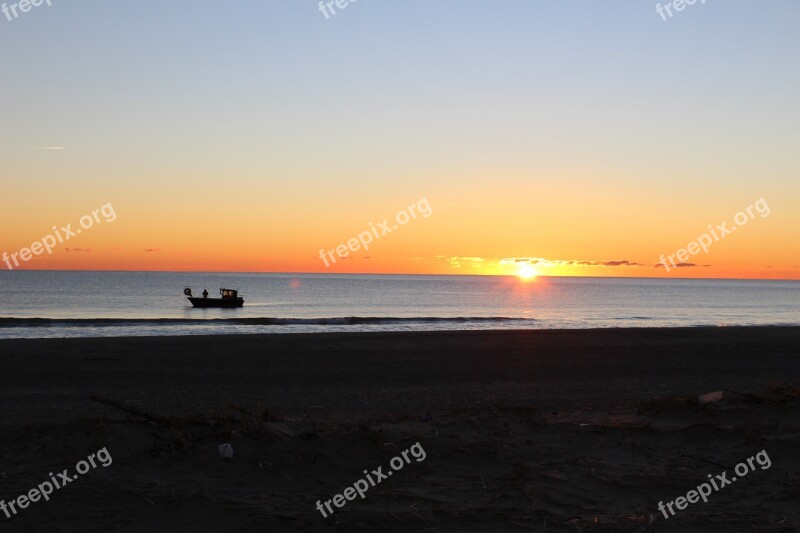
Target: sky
(545, 138)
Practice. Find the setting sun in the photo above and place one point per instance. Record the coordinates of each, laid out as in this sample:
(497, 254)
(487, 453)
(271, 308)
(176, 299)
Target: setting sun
(526, 271)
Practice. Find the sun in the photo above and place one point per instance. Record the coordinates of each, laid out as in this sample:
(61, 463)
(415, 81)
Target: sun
(526, 271)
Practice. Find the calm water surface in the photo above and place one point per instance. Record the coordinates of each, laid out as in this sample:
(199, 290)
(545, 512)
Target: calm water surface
(88, 304)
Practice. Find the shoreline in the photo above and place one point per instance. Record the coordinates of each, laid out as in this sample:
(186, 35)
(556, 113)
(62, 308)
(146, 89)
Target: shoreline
(7, 323)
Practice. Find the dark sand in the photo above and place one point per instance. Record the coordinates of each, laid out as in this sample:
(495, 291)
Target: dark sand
(534, 430)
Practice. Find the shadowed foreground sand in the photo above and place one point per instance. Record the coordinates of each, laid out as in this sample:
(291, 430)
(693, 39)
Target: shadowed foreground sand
(542, 431)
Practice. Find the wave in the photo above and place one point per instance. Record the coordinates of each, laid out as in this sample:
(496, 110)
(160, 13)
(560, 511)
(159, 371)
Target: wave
(8, 322)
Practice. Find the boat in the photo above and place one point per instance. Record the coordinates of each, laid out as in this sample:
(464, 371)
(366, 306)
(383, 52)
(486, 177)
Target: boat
(229, 298)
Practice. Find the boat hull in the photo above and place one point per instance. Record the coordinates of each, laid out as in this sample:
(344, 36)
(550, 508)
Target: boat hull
(216, 302)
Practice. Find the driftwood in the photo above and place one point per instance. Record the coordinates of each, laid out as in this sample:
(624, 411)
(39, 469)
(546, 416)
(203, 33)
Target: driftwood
(712, 463)
(256, 426)
(130, 410)
(749, 396)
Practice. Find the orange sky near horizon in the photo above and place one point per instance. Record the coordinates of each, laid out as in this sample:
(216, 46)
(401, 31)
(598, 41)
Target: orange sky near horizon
(469, 233)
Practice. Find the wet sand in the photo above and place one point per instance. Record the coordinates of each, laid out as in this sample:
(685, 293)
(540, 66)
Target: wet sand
(523, 430)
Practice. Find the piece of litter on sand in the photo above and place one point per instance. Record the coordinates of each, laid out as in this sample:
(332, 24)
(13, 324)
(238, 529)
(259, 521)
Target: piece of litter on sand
(226, 451)
(711, 397)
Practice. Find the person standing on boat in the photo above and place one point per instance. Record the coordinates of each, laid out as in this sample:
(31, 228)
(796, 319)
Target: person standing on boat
(205, 293)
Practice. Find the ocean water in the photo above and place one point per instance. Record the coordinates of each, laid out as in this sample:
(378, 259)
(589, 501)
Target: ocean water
(39, 304)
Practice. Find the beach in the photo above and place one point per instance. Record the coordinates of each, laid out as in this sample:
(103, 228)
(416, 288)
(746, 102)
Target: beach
(547, 430)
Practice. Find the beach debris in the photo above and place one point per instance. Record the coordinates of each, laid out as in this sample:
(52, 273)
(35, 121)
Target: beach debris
(226, 451)
(669, 404)
(196, 483)
(729, 396)
(393, 445)
(129, 409)
(282, 430)
(711, 397)
(748, 396)
(783, 392)
(712, 463)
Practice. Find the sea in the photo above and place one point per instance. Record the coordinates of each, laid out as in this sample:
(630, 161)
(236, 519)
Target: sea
(58, 304)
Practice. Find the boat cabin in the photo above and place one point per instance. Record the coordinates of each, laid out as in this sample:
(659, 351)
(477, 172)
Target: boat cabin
(228, 294)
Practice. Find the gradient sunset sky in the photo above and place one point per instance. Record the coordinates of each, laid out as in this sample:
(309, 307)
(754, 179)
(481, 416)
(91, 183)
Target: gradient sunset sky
(580, 137)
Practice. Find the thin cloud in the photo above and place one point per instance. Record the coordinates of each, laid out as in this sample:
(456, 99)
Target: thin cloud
(682, 265)
(151, 250)
(458, 262)
(618, 263)
(78, 250)
(525, 260)
(479, 262)
(52, 148)
(568, 262)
